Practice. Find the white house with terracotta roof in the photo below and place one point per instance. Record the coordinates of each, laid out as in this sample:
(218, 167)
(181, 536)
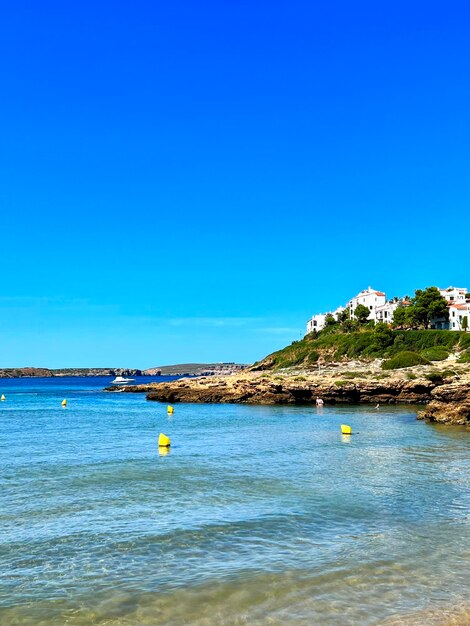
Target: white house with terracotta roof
(367, 297)
(458, 300)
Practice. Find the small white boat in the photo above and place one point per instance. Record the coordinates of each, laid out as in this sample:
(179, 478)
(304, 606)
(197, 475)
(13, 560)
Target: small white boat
(120, 380)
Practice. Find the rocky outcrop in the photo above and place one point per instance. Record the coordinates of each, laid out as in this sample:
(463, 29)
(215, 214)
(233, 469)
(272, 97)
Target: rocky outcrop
(255, 390)
(450, 404)
(446, 392)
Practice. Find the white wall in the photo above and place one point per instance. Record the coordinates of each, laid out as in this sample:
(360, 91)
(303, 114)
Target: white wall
(369, 298)
(456, 316)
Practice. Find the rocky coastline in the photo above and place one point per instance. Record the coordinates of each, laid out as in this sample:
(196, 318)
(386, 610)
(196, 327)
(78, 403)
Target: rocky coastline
(445, 392)
(44, 372)
(185, 369)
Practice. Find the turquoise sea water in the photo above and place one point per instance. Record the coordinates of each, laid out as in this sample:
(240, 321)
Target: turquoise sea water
(258, 515)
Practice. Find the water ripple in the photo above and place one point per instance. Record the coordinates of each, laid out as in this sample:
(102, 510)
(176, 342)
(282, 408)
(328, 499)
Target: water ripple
(233, 526)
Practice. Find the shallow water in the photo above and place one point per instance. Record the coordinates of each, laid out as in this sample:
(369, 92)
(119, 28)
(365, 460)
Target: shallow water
(258, 515)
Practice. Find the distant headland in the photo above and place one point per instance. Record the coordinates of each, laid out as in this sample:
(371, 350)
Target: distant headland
(184, 369)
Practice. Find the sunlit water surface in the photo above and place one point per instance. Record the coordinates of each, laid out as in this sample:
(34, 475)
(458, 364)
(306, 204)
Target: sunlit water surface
(257, 515)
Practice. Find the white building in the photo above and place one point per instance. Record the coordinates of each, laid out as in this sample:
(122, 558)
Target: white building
(368, 297)
(317, 322)
(454, 294)
(380, 310)
(384, 313)
(457, 313)
(459, 308)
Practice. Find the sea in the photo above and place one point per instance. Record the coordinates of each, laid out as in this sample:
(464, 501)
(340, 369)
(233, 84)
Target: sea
(259, 515)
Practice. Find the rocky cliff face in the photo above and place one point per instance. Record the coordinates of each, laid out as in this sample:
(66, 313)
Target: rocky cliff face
(256, 390)
(450, 404)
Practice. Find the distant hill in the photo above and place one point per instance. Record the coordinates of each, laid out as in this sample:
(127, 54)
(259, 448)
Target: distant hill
(184, 369)
(194, 369)
(34, 372)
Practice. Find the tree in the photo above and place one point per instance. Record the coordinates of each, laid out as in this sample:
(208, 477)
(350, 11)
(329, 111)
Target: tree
(383, 336)
(427, 305)
(413, 317)
(343, 315)
(361, 313)
(400, 317)
(350, 326)
(329, 320)
(465, 323)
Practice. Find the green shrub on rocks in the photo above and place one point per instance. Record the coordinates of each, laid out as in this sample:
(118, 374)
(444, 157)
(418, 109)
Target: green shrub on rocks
(352, 375)
(436, 353)
(448, 374)
(464, 357)
(334, 345)
(312, 357)
(434, 377)
(418, 340)
(404, 359)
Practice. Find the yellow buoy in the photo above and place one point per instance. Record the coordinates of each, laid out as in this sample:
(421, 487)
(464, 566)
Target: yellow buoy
(64, 402)
(2, 398)
(163, 441)
(170, 409)
(346, 430)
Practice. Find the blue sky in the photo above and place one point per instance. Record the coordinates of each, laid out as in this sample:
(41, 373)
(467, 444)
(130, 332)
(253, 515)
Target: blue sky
(190, 181)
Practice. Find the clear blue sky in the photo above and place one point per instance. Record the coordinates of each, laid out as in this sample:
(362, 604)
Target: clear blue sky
(190, 181)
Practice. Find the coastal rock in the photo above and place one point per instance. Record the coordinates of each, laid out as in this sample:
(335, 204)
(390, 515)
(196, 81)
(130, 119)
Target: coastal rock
(450, 404)
(259, 390)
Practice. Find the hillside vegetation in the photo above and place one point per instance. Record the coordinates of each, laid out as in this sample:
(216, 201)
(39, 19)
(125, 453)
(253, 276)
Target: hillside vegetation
(420, 346)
